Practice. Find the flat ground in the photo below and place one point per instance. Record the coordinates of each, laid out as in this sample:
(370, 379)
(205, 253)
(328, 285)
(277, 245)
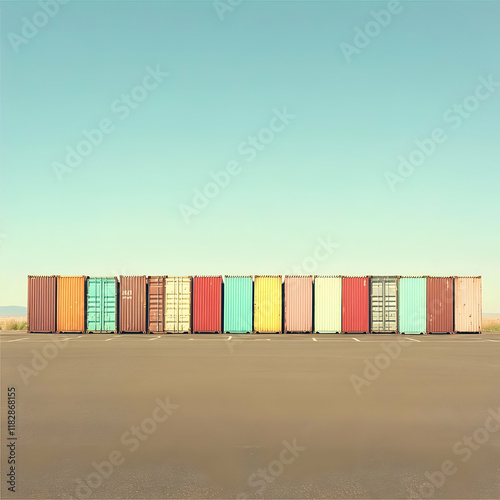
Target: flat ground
(239, 399)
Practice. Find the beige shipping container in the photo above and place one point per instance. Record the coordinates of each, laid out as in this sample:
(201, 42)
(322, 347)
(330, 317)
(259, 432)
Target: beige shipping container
(267, 304)
(328, 304)
(468, 308)
(178, 304)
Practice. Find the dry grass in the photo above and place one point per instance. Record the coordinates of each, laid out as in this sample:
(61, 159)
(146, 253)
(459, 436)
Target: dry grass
(13, 323)
(491, 324)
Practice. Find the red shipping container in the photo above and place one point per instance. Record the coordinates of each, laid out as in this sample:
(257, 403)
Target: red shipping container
(439, 305)
(41, 304)
(298, 304)
(132, 304)
(355, 305)
(207, 300)
(156, 301)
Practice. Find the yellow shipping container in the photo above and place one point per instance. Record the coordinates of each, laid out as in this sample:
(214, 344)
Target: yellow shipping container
(71, 303)
(267, 304)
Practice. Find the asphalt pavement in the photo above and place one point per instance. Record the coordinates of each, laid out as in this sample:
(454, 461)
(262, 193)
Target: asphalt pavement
(251, 416)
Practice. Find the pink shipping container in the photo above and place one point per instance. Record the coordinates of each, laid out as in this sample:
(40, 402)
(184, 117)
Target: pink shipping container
(298, 304)
(133, 304)
(207, 304)
(355, 305)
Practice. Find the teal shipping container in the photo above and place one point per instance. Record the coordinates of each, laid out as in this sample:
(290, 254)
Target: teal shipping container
(412, 305)
(238, 304)
(101, 305)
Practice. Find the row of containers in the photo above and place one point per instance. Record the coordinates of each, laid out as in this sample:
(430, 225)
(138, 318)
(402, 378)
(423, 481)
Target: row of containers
(260, 304)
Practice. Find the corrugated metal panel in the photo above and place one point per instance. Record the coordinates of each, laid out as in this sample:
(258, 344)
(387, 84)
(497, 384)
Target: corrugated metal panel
(328, 304)
(178, 304)
(355, 305)
(238, 306)
(412, 298)
(42, 304)
(383, 302)
(298, 303)
(468, 308)
(156, 302)
(101, 305)
(207, 301)
(439, 305)
(267, 304)
(133, 304)
(71, 303)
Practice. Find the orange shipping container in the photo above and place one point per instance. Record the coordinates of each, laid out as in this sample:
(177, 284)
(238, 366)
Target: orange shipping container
(71, 304)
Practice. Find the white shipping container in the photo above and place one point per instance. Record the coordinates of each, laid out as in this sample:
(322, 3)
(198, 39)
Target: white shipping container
(328, 304)
(178, 304)
(468, 309)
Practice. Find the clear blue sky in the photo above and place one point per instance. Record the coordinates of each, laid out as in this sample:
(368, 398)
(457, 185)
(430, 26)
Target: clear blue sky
(322, 175)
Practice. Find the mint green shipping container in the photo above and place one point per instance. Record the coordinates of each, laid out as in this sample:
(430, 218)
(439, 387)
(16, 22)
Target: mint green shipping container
(238, 304)
(412, 294)
(101, 305)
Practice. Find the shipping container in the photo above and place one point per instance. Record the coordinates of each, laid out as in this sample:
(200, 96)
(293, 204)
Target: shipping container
(355, 305)
(156, 304)
(71, 304)
(298, 304)
(439, 305)
(238, 304)
(102, 310)
(468, 307)
(267, 304)
(132, 308)
(383, 304)
(412, 305)
(178, 304)
(328, 304)
(207, 304)
(41, 304)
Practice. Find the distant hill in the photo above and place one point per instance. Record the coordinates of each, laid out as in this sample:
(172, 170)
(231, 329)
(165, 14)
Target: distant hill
(13, 311)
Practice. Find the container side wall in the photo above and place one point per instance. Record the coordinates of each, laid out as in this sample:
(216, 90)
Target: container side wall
(412, 293)
(440, 305)
(238, 304)
(156, 304)
(71, 303)
(207, 302)
(267, 304)
(41, 304)
(298, 304)
(355, 305)
(178, 304)
(133, 304)
(383, 304)
(328, 304)
(468, 304)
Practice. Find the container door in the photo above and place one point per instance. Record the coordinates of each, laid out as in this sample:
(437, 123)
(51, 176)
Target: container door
(109, 305)
(93, 305)
(377, 306)
(390, 306)
(184, 301)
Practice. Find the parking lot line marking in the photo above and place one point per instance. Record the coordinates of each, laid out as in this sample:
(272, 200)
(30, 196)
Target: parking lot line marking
(16, 340)
(491, 340)
(156, 338)
(107, 340)
(357, 340)
(413, 340)
(230, 337)
(314, 340)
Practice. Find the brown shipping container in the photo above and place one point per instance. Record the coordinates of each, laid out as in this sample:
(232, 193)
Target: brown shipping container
(156, 301)
(133, 304)
(71, 304)
(439, 305)
(41, 304)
